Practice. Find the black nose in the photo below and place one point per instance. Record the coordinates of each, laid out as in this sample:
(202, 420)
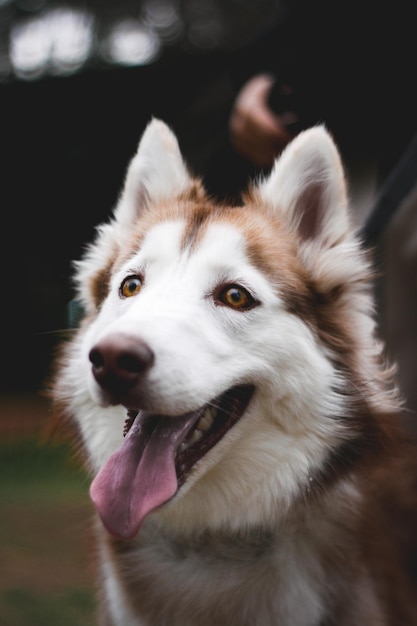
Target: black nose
(118, 362)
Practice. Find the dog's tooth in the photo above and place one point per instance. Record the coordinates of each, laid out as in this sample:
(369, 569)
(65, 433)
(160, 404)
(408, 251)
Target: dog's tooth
(197, 434)
(213, 411)
(206, 421)
(183, 447)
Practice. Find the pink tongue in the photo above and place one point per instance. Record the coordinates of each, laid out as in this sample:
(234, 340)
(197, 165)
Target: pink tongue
(140, 475)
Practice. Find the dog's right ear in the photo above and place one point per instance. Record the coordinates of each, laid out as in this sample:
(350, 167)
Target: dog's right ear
(156, 172)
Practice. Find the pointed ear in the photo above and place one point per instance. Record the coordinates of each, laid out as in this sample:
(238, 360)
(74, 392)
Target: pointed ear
(307, 188)
(156, 172)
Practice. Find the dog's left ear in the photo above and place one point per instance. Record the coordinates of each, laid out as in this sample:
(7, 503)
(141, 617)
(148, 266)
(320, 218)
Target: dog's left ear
(307, 188)
(156, 172)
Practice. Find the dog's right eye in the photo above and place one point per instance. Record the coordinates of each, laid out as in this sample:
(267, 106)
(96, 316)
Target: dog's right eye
(236, 297)
(130, 286)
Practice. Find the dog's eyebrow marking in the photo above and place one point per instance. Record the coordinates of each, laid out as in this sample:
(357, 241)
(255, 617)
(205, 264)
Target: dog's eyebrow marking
(100, 283)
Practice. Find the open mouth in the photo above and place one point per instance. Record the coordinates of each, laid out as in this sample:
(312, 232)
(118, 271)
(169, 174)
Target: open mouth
(156, 457)
(208, 425)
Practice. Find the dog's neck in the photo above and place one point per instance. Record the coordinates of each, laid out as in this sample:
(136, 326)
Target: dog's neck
(218, 574)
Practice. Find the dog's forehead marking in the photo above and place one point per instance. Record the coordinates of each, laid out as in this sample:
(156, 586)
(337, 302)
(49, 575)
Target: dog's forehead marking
(221, 246)
(249, 228)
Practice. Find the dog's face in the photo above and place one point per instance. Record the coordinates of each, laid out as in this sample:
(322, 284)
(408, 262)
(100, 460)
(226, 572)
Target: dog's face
(205, 378)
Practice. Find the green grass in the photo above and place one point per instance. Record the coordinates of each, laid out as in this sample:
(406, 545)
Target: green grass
(31, 469)
(45, 575)
(71, 608)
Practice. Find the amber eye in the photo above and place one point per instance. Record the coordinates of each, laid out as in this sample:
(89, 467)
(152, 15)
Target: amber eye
(236, 297)
(131, 286)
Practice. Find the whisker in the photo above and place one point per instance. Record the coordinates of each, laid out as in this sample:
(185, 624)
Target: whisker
(58, 331)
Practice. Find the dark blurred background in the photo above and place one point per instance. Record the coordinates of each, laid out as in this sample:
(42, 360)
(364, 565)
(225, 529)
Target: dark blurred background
(78, 83)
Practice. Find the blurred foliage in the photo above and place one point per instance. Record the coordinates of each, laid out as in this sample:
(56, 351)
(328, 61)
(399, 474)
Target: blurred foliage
(45, 577)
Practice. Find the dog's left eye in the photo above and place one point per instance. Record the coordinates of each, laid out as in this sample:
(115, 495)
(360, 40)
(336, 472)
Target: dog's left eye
(236, 297)
(131, 286)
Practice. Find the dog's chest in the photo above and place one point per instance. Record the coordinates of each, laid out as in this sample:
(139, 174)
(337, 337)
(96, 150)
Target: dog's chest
(221, 581)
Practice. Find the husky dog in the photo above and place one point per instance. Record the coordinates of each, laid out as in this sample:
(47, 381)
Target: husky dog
(233, 405)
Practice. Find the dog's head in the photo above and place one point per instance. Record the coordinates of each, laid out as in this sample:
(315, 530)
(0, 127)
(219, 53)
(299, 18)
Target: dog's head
(225, 350)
